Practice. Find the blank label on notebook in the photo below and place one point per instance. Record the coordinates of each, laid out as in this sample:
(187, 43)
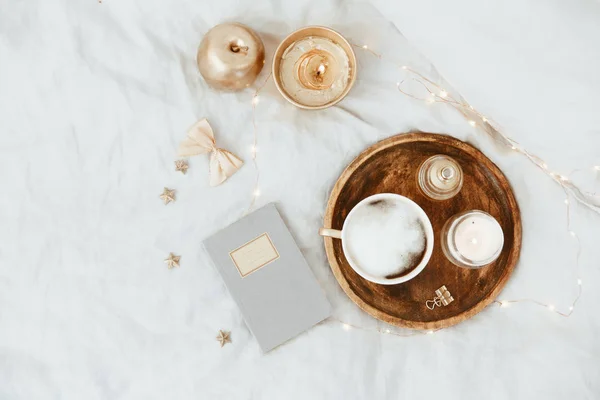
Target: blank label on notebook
(254, 255)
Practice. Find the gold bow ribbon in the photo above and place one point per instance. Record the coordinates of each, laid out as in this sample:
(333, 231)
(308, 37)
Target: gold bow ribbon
(201, 140)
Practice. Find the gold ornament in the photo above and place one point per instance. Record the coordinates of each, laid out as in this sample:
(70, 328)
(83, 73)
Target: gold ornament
(223, 337)
(181, 165)
(168, 195)
(230, 56)
(172, 261)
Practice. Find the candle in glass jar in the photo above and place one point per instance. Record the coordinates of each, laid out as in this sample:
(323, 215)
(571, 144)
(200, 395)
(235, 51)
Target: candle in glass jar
(472, 239)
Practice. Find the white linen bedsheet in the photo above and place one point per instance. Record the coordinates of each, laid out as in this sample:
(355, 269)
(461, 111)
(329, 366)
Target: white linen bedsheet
(95, 97)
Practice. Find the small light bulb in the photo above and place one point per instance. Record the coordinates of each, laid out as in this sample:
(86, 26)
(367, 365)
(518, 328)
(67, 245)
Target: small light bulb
(572, 233)
(471, 122)
(513, 147)
(579, 281)
(430, 332)
(387, 331)
(474, 240)
(597, 167)
(255, 100)
(563, 178)
(485, 119)
(364, 46)
(567, 201)
(346, 327)
(551, 307)
(443, 94)
(256, 193)
(397, 83)
(504, 304)
(571, 308)
(544, 165)
(405, 67)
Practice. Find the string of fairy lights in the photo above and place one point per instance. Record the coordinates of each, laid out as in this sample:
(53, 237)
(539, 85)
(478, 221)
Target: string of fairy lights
(435, 93)
(254, 146)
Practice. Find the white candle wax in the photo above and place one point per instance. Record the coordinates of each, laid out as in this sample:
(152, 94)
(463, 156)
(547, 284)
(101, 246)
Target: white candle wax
(476, 238)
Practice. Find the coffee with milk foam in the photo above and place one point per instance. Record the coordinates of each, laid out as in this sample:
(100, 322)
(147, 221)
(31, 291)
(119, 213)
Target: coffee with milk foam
(385, 238)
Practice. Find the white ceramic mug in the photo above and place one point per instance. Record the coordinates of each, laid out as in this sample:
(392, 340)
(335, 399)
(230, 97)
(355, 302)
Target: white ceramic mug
(420, 215)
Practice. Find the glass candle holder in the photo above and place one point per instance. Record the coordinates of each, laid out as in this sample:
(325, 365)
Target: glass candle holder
(440, 177)
(472, 239)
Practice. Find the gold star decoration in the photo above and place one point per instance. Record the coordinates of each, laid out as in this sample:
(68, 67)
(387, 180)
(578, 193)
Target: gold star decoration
(172, 261)
(181, 165)
(168, 195)
(223, 337)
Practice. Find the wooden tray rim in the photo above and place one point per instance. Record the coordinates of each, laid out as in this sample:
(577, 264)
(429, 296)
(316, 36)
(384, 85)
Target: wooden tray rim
(426, 137)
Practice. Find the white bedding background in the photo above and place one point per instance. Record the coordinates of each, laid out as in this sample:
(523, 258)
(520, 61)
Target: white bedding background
(95, 97)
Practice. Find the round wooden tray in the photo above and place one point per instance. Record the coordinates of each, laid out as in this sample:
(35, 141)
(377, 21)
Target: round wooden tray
(391, 166)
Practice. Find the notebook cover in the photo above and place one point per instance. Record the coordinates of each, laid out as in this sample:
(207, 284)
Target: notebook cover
(268, 277)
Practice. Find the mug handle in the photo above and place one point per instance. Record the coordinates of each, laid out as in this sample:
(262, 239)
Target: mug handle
(333, 233)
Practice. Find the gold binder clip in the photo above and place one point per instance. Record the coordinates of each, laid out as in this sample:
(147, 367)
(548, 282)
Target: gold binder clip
(443, 298)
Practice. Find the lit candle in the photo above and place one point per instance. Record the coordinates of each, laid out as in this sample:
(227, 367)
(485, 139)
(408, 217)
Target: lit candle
(314, 71)
(314, 67)
(472, 239)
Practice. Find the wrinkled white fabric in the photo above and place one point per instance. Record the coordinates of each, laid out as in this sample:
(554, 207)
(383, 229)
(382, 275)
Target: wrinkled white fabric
(94, 100)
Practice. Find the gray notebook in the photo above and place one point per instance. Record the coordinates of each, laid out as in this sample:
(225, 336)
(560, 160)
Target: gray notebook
(268, 277)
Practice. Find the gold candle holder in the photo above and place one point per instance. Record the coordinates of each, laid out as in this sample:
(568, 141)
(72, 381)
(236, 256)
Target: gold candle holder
(314, 67)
